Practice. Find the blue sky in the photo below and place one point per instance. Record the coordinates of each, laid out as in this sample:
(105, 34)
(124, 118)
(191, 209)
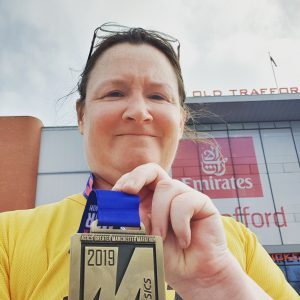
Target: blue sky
(224, 45)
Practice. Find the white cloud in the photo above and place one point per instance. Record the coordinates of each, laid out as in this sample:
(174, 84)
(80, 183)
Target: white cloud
(224, 45)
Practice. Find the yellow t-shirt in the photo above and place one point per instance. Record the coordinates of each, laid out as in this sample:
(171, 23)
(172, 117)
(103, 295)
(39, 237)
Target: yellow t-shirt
(34, 253)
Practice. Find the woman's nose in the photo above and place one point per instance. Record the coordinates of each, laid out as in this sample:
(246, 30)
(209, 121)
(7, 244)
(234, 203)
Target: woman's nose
(137, 110)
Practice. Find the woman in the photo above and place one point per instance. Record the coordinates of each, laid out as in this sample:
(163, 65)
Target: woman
(131, 115)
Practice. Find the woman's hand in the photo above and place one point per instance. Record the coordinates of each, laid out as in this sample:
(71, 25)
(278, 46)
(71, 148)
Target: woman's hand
(197, 261)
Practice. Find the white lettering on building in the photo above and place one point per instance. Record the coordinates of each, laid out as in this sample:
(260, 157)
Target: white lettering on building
(211, 183)
(213, 162)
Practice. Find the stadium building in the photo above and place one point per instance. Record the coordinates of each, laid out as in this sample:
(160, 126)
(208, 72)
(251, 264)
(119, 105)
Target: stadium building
(250, 165)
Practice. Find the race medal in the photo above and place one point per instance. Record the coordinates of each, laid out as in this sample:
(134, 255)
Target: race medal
(119, 264)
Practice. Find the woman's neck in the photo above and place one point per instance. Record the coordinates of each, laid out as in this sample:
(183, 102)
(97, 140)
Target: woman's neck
(100, 183)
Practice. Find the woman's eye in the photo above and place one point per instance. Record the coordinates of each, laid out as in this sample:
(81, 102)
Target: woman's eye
(114, 94)
(157, 97)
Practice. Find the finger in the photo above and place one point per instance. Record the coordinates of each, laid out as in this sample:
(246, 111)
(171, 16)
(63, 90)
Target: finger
(163, 195)
(186, 208)
(181, 213)
(135, 180)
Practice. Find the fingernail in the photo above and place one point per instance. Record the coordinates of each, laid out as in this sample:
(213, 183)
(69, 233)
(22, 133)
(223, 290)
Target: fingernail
(117, 186)
(129, 183)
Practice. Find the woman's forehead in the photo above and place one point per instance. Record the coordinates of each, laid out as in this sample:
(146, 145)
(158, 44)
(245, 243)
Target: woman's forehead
(123, 61)
(126, 53)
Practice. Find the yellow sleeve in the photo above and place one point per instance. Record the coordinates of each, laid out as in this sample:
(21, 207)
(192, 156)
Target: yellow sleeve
(4, 262)
(256, 261)
(263, 270)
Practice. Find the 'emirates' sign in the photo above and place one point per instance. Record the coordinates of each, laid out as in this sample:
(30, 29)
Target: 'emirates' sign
(224, 168)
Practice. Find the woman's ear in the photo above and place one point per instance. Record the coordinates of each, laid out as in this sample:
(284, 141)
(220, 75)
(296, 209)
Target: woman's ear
(80, 115)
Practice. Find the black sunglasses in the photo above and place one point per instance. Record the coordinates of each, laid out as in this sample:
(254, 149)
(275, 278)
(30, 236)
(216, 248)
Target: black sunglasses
(114, 28)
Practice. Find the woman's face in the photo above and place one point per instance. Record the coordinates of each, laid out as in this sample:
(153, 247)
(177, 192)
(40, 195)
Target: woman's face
(131, 114)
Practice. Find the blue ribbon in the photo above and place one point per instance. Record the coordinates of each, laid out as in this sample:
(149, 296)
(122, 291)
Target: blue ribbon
(113, 209)
(117, 208)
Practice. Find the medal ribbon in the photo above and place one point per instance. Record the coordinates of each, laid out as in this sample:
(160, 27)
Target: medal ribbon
(117, 208)
(112, 209)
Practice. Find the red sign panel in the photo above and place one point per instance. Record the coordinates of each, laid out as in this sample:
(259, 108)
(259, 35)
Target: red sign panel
(223, 168)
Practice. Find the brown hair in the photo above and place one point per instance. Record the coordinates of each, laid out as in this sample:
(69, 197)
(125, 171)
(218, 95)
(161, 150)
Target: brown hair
(135, 36)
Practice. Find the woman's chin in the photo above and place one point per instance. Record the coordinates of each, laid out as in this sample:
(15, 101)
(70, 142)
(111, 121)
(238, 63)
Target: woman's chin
(136, 159)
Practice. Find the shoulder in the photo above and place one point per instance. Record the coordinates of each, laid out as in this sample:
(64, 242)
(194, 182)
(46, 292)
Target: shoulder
(72, 201)
(239, 236)
(235, 239)
(236, 230)
(18, 222)
(255, 260)
(242, 242)
(36, 241)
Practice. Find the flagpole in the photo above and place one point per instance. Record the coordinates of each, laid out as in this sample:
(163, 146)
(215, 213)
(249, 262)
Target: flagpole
(273, 70)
